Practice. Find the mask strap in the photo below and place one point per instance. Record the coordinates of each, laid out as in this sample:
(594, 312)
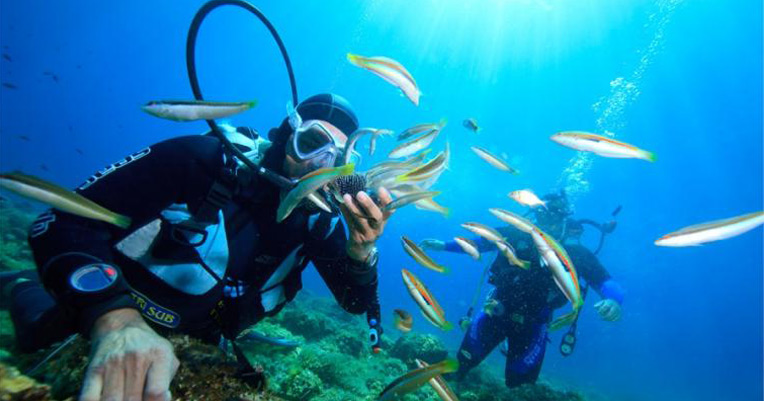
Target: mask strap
(295, 121)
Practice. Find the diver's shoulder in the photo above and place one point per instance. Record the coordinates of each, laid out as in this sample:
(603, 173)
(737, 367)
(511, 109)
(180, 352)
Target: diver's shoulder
(578, 250)
(200, 147)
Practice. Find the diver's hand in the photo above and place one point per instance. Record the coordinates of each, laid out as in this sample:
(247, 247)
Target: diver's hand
(365, 232)
(608, 309)
(128, 360)
(432, 244)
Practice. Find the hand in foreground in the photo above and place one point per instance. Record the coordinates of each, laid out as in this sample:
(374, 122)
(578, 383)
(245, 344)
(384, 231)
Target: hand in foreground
(608, 309)
(364, 232)
(128, 360)
(432, 244)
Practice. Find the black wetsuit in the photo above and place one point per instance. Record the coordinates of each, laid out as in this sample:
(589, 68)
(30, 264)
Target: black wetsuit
(205, 276)
(527, 299)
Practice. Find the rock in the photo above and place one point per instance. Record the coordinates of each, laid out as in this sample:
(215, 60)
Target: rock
(303, 386)
(426, 347)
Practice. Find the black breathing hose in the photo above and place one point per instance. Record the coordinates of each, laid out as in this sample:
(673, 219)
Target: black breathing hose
(193, 31)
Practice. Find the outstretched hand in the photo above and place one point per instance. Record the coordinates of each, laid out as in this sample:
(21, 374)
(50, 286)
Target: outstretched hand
(608, 310)
(128, 360)
(366, 221)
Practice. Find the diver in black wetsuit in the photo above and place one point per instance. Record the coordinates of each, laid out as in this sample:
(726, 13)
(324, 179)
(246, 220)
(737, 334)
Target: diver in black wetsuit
(204, 254)
(520, 306)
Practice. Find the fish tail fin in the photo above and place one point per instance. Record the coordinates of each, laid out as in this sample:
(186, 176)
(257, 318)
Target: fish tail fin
(347, 169)
(650, 156)
(443, 121)
(354, 58)
(446, 212)
(563, 320)
(447, 326)
(251, 104)
(450, 365)
(122, 221)
(524, 264)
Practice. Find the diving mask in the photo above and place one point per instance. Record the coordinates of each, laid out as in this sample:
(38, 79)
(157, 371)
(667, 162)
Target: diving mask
(314, 140)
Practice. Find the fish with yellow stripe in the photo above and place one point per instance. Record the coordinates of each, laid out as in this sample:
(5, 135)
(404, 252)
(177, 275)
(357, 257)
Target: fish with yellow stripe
(554, 257)
(429, 307)
(391, 71)
(601, 145)
(429, 170)
(60, 198)
(438, 384)
(416, 378)
(420, 256)
(714, 231)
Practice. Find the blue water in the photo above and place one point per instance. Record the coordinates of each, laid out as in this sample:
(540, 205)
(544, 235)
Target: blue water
(690, 89)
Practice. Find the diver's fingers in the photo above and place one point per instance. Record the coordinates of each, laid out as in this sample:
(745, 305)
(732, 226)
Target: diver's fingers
(91, 388)
(159, 377)
(385, 199)
(114, 383)
(136, 366)
(369, 206)
(359, 227)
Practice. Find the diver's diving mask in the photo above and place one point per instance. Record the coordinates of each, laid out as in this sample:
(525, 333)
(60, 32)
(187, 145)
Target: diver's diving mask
(313, 140)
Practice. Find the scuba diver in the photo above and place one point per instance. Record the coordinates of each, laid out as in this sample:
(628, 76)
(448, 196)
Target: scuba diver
(522, 302)
(204, 255)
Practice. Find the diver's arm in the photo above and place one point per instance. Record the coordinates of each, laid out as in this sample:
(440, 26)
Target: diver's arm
(353, 283)
(591, 270)
(179, 170)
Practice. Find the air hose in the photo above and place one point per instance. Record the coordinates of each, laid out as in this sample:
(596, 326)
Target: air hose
(193, 31)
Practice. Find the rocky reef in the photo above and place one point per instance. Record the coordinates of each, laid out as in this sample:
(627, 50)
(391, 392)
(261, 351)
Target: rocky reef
(326, 359)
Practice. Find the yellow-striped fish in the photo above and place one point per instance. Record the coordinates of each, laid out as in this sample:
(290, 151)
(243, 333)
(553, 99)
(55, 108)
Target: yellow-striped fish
(307, 185)
(438, 384)
(714, 231)
(391, 71)
(421, 128)
(601, 145)
(513, 220)
(430, 308)
(428, 170)
(194, 110)
(416, 378)
(558, 262)
(493, 160)
(413, 145)
(468, 247)
(60, 198)
(408, 199)
(430, 205)
(420, 257)
(509, 252)
(484, 231)
(403, 320)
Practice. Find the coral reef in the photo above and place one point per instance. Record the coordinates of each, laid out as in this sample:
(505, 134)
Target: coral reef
(14, 222)
(15, 386)
(426, 347)
(332, 363)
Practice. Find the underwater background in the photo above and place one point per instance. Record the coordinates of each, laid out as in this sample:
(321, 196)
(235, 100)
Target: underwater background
(680, 78)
